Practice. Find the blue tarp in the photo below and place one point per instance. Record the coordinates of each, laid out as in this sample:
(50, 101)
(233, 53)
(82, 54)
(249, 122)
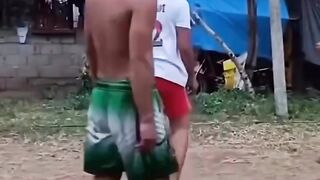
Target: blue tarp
(230, 20)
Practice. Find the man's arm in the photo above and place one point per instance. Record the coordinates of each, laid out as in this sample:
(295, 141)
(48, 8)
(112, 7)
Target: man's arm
(186, 51)
(183, 29)
(141, 62)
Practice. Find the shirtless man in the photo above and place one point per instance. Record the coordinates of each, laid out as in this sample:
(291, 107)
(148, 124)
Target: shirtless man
(126, 128)
(174, 69)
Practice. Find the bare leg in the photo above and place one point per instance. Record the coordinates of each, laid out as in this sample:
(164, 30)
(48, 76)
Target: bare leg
(180, 140)
(113, 177)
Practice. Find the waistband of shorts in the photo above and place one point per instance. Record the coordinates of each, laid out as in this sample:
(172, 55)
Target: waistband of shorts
(113, 85)
(123, 85)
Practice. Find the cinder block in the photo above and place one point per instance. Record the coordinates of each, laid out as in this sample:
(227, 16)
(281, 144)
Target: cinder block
(2, 60)
(51, 81)
(38, 60)
(2, 40)
(27, 72)
(8, 36)
(16, 60)
(7, 71)
(12, 39)
(78, 59)
(2, 84)
(67, 82)
(37, 48)
(55, 40)
(68, 40)
(51, 49)
(27, 49)
(41, 81)
(39, 40)
(72, 71)
(73, 49)
(8, 49)
(62, 60)
(80, 38)
(16, 83)
(51, 71)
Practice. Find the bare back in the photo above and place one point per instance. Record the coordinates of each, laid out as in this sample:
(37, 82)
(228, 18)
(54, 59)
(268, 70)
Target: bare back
(107, 27)
(119, 45)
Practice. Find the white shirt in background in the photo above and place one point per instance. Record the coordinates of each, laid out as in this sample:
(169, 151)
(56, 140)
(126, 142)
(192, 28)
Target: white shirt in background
(167, 61)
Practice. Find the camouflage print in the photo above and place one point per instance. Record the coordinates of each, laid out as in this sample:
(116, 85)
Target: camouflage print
(111, 141)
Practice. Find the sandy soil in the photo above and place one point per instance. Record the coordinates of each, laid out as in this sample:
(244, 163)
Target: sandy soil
(62, 161)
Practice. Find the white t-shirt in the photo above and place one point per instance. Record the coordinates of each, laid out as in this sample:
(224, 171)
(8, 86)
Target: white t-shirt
(167, 61)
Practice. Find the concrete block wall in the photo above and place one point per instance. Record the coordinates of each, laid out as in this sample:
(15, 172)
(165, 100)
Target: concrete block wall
(42, 64)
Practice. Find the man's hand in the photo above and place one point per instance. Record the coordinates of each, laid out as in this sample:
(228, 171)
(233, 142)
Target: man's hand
(192, 85)
(141, 68)
(147, 136)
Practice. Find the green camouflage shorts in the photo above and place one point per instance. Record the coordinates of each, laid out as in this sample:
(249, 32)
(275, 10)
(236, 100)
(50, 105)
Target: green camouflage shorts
(111, 141)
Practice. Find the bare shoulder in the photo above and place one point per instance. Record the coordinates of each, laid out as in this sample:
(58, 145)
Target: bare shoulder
(142, 24)
(144, 7)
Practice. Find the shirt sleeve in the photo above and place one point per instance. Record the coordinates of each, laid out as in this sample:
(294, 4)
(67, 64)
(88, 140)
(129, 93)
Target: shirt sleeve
(183, 14)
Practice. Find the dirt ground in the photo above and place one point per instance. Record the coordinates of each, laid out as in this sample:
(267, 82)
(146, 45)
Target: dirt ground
(62, 161)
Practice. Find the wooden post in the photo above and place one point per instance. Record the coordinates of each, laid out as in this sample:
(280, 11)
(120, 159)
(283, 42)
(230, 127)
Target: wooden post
(280, 92)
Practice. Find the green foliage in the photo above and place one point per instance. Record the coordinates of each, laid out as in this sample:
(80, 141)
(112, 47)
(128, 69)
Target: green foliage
(77, 101)
(304, 107)
(232, 103)
(227, 110)
(39, 120)
(237, 102)
(80, 101)
(85, 78)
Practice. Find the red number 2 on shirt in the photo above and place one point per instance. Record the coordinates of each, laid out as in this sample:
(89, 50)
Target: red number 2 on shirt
(157, 40)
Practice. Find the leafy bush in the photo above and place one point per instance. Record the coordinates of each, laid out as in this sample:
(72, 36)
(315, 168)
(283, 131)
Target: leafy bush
(233, 102)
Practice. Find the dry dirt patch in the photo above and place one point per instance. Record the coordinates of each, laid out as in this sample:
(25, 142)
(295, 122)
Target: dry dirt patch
(63, 161)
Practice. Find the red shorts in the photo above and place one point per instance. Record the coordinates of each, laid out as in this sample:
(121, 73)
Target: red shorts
(174, 97)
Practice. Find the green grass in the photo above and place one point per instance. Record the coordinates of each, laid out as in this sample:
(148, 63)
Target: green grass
(235, 103)
(226, 112)
(39, 120)
(233, 118)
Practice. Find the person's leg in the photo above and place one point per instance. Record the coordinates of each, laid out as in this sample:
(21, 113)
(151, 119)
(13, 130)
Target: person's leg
(177, 107)
(180, 139)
